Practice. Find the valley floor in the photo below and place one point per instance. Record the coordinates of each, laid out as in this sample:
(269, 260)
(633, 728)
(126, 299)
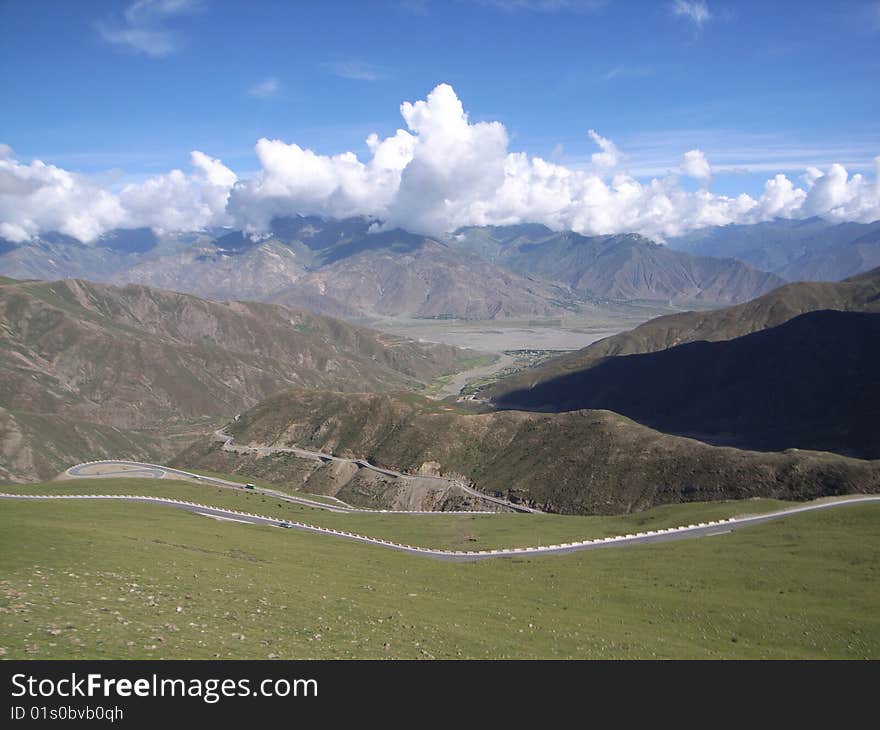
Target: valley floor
(500, 335)
(516, 344)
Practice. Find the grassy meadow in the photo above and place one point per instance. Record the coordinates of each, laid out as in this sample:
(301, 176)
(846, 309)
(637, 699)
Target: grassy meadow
(117, 580)
(451, 532)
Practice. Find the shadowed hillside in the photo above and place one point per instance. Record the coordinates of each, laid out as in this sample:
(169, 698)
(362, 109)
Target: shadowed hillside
(859, 293)
(811, 383)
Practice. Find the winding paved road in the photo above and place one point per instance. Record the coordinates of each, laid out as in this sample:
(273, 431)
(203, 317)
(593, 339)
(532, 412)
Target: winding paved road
(702, 529)
(121, 468)
(221, 435)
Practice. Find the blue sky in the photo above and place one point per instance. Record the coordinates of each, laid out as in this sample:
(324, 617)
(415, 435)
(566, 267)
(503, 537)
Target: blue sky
(120, 91)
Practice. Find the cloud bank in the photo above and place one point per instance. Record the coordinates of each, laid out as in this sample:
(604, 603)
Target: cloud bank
(439, 173)
(38, 198)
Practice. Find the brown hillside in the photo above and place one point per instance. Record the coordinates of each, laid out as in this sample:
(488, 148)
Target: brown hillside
(586, 462)
(141, 358)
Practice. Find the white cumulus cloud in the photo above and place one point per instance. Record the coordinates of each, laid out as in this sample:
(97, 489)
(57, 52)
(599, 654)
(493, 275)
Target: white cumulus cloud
(438, 172)
(37, 198)
(180, 202)
(695, 164)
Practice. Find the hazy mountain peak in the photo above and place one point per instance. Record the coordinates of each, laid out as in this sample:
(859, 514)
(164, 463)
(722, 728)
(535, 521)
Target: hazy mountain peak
(344, 268)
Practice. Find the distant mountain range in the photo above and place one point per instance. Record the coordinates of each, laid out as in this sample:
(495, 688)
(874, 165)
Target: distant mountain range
(812, 249)
(342, 268)
(397, 273)
(628, 267)
(88, 370)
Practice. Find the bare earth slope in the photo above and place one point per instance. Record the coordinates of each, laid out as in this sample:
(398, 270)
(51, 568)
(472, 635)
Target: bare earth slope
(141, 358)
(587, 462)
(212, 272)
(425, 278)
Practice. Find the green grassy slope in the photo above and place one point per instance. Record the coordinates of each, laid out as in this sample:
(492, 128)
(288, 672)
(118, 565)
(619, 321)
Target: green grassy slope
(113, 580)
(450, 532)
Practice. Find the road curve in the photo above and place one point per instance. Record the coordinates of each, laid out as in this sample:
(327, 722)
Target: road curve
(221, 435)
(156, 471)
(702, 529)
